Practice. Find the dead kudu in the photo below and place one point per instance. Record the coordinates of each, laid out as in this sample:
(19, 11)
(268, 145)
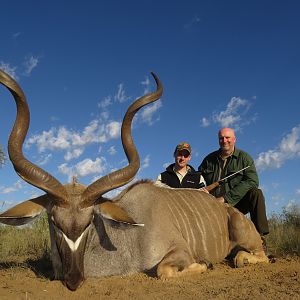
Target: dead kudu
(146, 228)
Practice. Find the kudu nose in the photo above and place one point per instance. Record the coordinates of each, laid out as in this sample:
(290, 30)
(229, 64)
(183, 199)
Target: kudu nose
(73, 281)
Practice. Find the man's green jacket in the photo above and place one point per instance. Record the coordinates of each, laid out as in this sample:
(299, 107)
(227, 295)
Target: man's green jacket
(238, 185)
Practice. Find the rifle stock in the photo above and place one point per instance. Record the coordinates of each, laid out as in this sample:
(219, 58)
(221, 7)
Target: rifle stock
(212, 186)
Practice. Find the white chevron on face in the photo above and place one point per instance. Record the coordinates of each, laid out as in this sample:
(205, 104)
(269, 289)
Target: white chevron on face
(73, 245)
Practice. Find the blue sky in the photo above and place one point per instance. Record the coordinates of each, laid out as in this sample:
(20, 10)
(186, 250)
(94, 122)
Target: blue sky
(222, 63)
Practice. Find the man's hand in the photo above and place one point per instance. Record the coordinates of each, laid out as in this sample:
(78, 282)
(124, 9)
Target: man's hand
(204, 190)
(220, 199)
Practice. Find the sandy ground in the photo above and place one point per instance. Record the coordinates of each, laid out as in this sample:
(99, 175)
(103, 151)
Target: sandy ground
(278, 280)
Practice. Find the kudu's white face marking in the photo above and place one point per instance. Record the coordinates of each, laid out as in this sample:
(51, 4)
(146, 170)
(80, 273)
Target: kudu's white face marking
(73, 246)
(69, 235)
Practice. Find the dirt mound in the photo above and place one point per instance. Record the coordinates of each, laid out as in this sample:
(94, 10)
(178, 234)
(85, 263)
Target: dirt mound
(279, 280)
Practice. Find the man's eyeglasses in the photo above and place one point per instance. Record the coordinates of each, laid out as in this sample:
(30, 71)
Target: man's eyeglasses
(185, 154)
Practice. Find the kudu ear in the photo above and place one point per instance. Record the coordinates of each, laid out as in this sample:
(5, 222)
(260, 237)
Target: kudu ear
(112, 211)
(25, 212)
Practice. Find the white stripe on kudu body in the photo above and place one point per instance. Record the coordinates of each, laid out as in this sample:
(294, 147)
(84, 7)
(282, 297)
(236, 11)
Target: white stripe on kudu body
(200, 233)
(208, 213)
(171, 208)
(185, 220)
(201, 238)
(191, 211)
(178, 215)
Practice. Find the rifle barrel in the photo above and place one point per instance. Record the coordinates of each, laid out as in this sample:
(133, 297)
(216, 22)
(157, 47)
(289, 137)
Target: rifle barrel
(217, 183)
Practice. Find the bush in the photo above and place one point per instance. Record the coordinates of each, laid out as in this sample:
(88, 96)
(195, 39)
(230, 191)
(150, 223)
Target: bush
(284, 237)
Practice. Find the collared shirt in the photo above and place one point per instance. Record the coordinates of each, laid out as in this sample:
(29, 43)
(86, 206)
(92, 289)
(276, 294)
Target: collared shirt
(220, 190)
(180, 175)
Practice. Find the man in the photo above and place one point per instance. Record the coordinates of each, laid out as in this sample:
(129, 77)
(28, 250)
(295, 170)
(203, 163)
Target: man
(241, 190)
(180, 174)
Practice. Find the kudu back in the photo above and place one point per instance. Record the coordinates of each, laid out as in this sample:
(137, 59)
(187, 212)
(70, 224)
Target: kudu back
(146, 228)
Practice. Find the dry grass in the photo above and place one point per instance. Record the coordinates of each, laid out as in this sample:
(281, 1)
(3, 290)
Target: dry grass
(30, 242)
(284, 237)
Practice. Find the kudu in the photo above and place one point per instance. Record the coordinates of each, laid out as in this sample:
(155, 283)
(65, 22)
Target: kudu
(146, 228)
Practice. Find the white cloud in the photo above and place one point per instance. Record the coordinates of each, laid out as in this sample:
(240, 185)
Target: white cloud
(65, 169)
(113, 193)
(231, 116)
(112, 150)
(120, 96)
(149, 111)
(298, 192)
(88, 166)
(74, 142)
(44, 159)
(9, 70)
(107, 101)
(7, 190)
(74, 153)
(29, 64)
(205, 122)
(146, 83)
(145, 163)
(234, 115)
(104, 115)
(289, 148)
(51, 140)
(293, 207)
(84, 168)
(113, 130)
(89, 134)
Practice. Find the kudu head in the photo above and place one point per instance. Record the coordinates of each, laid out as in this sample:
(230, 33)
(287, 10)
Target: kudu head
(70, 207)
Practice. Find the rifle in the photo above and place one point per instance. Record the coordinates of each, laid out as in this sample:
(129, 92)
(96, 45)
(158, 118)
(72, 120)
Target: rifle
(217, 183)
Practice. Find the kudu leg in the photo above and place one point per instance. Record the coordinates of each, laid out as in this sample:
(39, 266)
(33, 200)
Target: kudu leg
(179, 262)
(244, 258)
(244, 236)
